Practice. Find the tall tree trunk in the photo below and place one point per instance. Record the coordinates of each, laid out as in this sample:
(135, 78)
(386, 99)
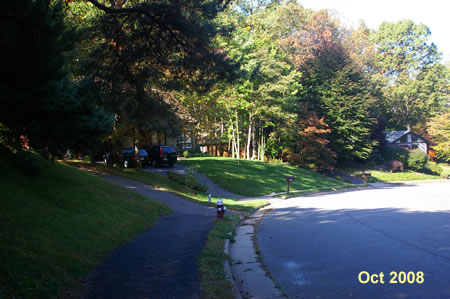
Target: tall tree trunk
(233, 147)
(253, 141)
(259, 147)
(258, 150)
(220, 139)
(249, 138)
(260, 144)
(238, 149)
(408, 120)
(263, 142)
(233, 143)
(229, 144)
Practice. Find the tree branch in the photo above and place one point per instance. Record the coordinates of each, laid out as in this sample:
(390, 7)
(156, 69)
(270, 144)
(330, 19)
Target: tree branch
(111, 10)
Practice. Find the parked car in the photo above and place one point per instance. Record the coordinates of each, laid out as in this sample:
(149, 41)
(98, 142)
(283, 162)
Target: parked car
(107, 159)
(144, 157)
(129, 157)
(162, 154)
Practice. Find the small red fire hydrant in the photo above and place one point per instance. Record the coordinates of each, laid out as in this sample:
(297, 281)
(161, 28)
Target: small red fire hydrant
(221, 209)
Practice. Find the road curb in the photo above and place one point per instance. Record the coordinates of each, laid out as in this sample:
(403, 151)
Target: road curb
(248, 274)
(228, 272)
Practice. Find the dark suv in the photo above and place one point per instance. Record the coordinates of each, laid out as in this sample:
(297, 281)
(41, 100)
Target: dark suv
(129, 157)
(161, 154)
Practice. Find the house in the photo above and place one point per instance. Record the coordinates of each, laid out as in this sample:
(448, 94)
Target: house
(407, 139)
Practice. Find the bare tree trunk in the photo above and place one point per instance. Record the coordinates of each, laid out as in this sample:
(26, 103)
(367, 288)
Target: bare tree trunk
(222, 128)
(216, 150)
(238, 154)
(263, 147)
(259, 147)
(258, 150)
(260, 144)
(244, 154)
(249, 138)
(229, 143)
(254, 141)
(233, 147)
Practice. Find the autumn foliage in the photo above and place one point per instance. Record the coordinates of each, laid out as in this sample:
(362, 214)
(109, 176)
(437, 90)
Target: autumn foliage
(312, 146)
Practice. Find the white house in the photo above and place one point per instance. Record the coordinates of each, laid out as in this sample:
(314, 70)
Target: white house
(407, 139)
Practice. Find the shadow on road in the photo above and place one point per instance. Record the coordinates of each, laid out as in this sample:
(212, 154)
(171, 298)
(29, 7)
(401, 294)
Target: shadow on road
(319, 248)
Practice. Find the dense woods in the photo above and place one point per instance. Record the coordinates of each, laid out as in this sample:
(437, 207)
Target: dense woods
(258, 79)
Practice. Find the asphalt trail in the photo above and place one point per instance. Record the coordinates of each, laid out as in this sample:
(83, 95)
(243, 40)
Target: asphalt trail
(162, 261)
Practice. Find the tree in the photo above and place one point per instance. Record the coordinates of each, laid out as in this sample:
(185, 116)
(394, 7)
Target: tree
(410, 72)
(140, 52)
(346, 101)
(266, 84)
(336, 86)
(312, 145)
(40, 99)
(438, 130)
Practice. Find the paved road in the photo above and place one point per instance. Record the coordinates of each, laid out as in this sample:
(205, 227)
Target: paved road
(161, 262)
(316, 246)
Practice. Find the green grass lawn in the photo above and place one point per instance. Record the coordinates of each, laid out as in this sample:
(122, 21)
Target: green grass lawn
(213, 282)
(165, 183)
(255, 178)
(56, 227)
(388, 176)
(446, 170)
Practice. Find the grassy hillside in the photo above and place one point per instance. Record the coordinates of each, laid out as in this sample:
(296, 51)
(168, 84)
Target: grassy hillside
(254, 178)
(56, 226)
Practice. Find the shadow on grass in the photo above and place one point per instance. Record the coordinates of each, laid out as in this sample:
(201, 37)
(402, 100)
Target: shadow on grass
(255, 178)
(163, 182)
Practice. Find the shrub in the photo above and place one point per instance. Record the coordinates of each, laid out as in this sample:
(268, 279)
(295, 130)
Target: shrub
(27, 163)
(197, 154)
(189, 154)
(445, 174)
(392, 152)
(417, 160)
(189, 180)
(371, 164)
(372, 180)
(197, 149)
(376, 158)
(432, 168)
(310, 161)
(395, 165)
(286, 155)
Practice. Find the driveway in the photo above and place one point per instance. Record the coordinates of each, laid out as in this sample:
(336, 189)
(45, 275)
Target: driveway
(318, 246)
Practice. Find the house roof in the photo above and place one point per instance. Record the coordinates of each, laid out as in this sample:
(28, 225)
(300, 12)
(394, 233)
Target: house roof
(393, 136)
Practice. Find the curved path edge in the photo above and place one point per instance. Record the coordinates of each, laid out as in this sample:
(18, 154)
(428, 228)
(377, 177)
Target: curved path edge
(249, 275)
